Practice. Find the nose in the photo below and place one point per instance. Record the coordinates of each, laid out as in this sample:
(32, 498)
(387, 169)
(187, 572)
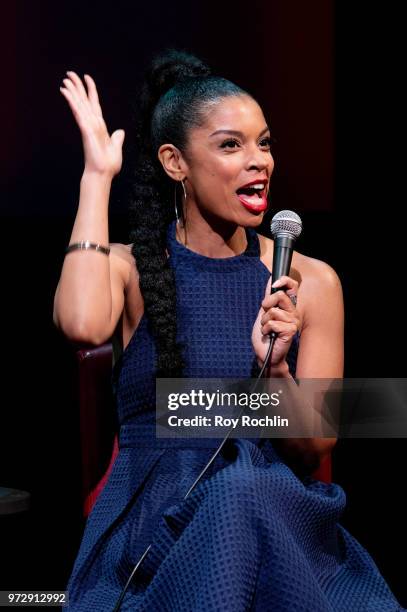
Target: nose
(258, 159)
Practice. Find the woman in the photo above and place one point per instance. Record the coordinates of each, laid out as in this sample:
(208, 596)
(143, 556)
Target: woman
(190, 296)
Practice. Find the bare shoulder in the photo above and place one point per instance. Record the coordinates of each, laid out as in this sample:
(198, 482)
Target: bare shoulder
(320, 295)
(317, 274)
(311, 273)
(321, 313)
(321, 287)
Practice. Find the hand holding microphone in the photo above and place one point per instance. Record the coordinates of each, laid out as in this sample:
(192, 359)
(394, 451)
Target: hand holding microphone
(278, 320)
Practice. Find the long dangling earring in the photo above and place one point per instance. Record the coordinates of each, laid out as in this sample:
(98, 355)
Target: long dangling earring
(175, 202)
(176, 207)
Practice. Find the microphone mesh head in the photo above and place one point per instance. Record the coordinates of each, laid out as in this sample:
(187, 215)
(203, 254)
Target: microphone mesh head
(286, 222)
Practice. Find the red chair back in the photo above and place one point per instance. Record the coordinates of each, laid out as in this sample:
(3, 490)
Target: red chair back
(98, 423)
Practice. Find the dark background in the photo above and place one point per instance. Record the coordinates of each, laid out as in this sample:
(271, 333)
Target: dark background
(327, 79)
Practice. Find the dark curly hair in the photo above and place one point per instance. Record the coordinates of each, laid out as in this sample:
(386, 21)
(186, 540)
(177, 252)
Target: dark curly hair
(177, 94)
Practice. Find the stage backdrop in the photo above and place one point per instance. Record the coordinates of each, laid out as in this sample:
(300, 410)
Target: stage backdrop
(289, 55)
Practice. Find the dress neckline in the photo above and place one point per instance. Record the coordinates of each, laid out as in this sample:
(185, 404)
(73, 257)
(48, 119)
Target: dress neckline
(180, 251)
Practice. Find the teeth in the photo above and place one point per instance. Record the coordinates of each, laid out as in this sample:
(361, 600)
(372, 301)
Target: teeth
(258, 186)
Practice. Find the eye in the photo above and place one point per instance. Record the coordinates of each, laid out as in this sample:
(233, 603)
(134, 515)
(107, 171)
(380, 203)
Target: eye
(229, 142)
(266, 142)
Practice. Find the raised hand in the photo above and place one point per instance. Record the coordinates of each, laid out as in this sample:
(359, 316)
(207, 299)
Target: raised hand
(102, 152)
(278, 314)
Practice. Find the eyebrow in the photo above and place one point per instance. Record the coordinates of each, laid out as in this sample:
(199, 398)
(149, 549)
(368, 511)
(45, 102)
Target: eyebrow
(237, 133)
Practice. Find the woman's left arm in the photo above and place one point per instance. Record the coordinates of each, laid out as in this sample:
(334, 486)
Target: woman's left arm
(320, 317)
(321, 347)
(321, 350)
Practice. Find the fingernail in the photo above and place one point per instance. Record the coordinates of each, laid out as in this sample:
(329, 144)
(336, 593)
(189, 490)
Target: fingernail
(276, 283)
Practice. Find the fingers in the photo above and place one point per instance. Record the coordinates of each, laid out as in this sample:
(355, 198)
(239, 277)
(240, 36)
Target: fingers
(103, 153)
(80, 89)
(279, 321)
(118, 137)
(79, 104)
(80, 101)
(277, 314)
(73, 103)
(69, 86)
(288, 283)
(285, 331)
(93, 95)
(281, 298)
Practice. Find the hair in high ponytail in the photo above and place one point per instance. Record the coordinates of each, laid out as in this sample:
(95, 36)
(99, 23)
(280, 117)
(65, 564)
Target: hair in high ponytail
(177, 94)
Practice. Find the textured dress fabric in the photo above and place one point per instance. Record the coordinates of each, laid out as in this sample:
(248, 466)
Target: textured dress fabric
(251, 536)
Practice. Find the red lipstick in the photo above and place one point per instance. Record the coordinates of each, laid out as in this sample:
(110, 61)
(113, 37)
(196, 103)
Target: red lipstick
(253, 195)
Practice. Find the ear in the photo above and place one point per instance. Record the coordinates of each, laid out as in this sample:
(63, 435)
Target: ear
(172, 161)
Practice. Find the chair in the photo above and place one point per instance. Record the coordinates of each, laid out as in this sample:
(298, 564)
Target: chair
(98, 423)
(99, 427)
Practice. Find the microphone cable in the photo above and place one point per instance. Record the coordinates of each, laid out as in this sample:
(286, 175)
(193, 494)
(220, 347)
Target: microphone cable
(273, 336)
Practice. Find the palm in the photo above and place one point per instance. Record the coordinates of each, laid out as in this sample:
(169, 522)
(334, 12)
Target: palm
(102, 152)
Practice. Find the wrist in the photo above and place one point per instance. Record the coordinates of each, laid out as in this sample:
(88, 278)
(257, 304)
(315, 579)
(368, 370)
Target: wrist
(280, 370)
(95, 190)
(97, 176)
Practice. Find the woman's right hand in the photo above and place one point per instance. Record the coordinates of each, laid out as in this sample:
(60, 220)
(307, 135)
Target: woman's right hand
(102, 153)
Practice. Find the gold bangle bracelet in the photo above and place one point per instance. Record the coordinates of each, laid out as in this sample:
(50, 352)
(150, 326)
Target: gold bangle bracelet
(85, 245)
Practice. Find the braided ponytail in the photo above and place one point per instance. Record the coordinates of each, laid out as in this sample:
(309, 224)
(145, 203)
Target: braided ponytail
(176, 95)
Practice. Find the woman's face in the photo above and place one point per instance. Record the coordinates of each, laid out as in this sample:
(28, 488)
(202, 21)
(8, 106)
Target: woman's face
(229, 151)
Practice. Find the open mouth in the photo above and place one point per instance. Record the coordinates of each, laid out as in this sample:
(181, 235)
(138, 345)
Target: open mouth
(252, 193)
(254, 197)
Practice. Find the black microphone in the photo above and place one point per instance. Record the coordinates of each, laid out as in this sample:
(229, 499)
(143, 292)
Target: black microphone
(286, 227)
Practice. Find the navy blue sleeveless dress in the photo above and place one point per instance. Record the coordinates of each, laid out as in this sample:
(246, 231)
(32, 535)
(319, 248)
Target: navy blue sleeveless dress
(251, 535)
